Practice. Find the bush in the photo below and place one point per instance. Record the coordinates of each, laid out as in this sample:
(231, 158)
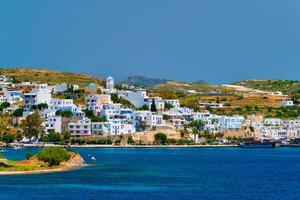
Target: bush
(7, 138)
(53, 155)
(117, 141)
(18, 112)
(54, 137)
(160, 138)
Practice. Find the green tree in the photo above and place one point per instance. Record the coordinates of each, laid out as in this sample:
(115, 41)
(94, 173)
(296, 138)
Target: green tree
(198, 124)
(53, 155)
(32, 126)
(42, 106)
(144, 107)
(153, 106)
(64, 113)
(18, 112)
(168, 106)
(4, 105)
(130, 140)
(54, 137)
(160, 138)
(7, 138)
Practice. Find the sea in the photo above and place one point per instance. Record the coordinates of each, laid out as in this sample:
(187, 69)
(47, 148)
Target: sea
(164, 173)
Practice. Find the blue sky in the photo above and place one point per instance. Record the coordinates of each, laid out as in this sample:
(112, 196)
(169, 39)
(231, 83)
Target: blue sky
(213, 40)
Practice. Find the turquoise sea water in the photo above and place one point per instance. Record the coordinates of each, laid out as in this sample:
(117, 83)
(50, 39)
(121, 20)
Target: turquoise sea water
(210, 173)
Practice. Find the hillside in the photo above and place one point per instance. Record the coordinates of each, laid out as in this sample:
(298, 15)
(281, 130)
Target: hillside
(286, 86)
(142, 81)
(48, 76)
(185, 86)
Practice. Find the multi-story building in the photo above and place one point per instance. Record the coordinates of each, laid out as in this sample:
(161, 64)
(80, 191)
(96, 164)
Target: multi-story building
(80, 128)
(39, 94)
(52, 124)
(231, 122)
(97, 99)
(155, 120)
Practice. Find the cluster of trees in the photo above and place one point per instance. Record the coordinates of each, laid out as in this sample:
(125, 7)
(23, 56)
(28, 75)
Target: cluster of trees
(162, 139)
(64, 113)
(90, 115)
(55, 137)
(116, 99)
(53, 155)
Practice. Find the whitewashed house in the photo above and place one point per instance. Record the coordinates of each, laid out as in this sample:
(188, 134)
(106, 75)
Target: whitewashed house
(231, 122)
(40, 94)
(287, 102)
(80, 128)
(174, 102)
(155, 120)
(138, 98)
(52, 124)
(272, 122)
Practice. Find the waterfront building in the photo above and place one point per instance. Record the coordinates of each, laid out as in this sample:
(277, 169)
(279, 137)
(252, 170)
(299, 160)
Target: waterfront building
(80, 128)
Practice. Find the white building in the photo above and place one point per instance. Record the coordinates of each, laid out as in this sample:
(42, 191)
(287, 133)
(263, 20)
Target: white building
(81, 128)
(138, 98)
(155, 120)
(211, 121)
(159, 103)
(39, 94)
(97, 99)
(119, 127)
(212, 105)
(174, 102)
(4, 81)
(60, 88)
(287, 102)
(110, 84)
(231, 122)
(52, 124)
(272, 122)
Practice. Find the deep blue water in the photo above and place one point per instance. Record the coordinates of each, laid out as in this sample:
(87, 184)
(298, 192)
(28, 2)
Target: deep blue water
(228, 173)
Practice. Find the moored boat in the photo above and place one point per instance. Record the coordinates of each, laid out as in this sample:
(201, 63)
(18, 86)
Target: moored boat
(258, 144)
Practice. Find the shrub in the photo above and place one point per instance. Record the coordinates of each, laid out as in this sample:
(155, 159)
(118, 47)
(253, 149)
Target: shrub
(53, 155)
(160, 138)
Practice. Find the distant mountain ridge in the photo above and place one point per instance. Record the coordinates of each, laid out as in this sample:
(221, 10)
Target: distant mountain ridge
(142, 81)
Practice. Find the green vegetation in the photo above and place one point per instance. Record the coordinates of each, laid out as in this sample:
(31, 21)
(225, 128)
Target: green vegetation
(90, 115)
(64, 113)
(53, 155)
(32, 126)
(4, 105)
(153, 106)
(52, 137)
(160, 138)
(115, 98)
(18, 112)
(48, 76)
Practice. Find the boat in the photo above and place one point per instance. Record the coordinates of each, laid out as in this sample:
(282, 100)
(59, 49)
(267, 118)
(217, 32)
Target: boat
(258, 144)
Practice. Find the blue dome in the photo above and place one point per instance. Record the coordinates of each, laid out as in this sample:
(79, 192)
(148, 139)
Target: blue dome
(91, 85)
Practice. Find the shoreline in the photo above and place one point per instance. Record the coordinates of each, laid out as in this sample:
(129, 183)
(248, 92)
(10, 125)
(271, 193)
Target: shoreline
(41, 171)
(126, 146)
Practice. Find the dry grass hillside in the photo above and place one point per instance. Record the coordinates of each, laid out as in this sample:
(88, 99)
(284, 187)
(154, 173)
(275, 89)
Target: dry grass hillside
(48, 76)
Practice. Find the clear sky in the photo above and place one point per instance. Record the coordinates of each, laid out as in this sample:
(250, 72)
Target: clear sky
(219, 41)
